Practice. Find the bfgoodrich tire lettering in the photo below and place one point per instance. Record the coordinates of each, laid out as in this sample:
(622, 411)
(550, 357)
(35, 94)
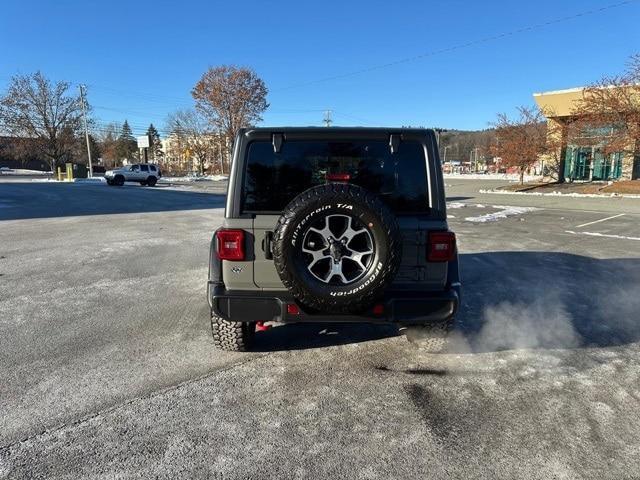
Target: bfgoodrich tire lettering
(368, 268)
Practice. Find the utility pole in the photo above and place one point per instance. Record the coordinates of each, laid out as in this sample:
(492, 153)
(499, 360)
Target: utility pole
(438, 131)
(327, 118)
(444, 160)
(475, 159)
(83, 90)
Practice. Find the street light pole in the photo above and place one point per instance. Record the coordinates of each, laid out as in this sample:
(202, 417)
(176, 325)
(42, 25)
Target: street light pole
(86, 128)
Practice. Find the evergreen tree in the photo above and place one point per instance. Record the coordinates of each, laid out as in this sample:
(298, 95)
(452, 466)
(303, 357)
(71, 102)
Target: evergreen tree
(96, 151)
(155, 149)
(126, 145)
(126, 134)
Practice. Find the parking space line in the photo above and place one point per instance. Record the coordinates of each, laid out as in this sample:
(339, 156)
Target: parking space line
(606, 235)
(601, 220)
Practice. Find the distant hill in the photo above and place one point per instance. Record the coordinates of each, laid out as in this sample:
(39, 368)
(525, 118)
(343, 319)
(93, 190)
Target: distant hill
(460, 143)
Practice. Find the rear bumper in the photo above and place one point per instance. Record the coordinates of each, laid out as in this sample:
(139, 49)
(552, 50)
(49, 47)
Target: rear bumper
(399, 307)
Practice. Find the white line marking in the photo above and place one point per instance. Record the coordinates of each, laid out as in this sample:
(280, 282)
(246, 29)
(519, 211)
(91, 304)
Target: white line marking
(593, 234)
(601, 220)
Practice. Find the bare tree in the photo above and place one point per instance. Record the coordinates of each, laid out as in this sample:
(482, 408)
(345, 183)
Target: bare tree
(36, 108)
(553, 151)
(522, 141)
(231, 98)
(108, 141)
(194, 134)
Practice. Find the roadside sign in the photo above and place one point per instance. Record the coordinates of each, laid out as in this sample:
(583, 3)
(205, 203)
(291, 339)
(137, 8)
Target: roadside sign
(143, 141)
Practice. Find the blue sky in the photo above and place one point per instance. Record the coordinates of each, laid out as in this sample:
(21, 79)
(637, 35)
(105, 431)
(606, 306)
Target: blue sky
(140, 59)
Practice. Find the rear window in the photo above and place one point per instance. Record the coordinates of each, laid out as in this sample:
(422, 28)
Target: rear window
(152, 167)
(145, 168)
(273, 179)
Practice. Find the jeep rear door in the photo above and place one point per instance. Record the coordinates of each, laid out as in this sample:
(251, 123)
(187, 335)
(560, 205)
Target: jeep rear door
(271, 179)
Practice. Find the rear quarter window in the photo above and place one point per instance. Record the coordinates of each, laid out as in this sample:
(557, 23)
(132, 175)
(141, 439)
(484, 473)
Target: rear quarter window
(272, 179)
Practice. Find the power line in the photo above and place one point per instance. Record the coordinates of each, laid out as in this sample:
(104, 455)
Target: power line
(143, 95)
(364, 121)
(181, 101)
(491, 38)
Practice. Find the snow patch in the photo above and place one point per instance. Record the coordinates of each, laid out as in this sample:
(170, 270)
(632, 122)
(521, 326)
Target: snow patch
(456, 205)
(504, 212)
(511, 177)
(22, 171)
(93, 180)
(195, 178)
(560, 194)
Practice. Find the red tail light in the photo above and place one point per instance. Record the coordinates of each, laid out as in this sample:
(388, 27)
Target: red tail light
(230, 244)
(338, 177)
(442, 246)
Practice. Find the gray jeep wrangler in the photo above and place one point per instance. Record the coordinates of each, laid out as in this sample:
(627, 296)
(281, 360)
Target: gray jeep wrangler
(333, 225)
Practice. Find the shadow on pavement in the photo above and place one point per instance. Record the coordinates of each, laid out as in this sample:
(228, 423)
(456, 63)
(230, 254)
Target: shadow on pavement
(317, 335)
(47, 200)
(513, 300)
(457, 199)
(548, 300)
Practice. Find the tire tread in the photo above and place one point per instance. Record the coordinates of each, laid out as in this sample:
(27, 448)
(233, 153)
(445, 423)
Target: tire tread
(231, 336)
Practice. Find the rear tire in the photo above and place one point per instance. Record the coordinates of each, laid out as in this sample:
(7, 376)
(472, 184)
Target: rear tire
(232, 336)
(151, 181)
(430, 338)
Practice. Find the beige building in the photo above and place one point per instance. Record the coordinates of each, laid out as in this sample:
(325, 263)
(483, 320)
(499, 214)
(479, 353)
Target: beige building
(580, 158)
(180, 154)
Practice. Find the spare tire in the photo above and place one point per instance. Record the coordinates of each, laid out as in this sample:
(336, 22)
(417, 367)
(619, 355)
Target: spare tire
(337, 247)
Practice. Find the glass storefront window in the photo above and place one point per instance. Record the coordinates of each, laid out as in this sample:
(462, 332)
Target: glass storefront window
(589, 163)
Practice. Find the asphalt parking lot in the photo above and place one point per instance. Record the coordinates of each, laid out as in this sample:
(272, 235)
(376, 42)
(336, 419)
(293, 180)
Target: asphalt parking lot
(107, 369)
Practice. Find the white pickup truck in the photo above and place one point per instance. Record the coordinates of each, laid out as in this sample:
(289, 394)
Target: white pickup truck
(143, 173)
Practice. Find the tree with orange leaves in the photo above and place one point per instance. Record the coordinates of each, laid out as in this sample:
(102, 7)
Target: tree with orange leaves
(521, 142)
(230, 98)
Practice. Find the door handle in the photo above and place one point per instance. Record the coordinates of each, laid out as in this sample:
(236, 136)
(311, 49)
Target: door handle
(267, 242)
